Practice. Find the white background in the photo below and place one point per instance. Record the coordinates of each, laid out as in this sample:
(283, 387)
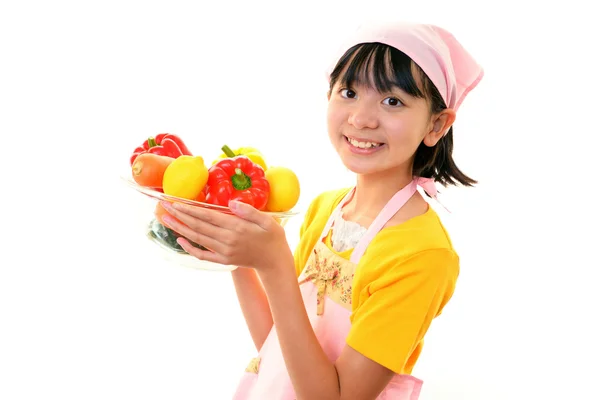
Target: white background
(87, 311)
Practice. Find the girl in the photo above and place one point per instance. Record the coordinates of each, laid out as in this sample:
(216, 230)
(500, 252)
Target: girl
(344, 316)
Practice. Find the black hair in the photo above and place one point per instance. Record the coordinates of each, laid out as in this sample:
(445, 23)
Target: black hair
(384, 67)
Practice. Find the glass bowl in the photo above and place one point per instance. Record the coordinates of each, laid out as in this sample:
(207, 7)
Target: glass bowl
(163, 239)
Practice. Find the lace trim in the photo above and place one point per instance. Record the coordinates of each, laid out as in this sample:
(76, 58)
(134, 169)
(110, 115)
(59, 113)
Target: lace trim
(346, 234)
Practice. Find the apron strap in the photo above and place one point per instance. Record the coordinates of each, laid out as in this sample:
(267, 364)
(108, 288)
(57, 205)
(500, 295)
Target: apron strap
(390, 209)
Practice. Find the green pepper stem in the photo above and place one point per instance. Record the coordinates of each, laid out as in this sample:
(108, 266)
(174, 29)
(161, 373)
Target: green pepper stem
(152, 142)
(240, 180)
(228, 152)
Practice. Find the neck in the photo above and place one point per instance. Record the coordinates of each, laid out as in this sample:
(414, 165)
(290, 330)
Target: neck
(372, 194)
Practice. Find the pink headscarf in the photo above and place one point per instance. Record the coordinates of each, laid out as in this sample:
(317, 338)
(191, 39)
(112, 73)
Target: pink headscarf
(450, 67)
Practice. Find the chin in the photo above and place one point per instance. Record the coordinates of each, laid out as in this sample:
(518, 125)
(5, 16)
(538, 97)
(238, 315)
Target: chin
(373, 167)
(360, 167)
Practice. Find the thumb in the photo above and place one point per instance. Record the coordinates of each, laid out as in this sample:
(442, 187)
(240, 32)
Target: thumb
(249, 213)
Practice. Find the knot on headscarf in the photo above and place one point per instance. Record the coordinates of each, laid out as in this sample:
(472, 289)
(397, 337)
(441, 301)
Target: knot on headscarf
(428, 185)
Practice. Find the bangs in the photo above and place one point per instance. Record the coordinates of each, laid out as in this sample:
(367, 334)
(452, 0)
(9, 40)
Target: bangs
(379, 66)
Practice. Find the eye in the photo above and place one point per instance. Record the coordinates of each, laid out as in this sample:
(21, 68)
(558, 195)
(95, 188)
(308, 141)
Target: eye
(392, 101)
(348, 93)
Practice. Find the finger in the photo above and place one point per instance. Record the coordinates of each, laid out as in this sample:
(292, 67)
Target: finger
(213, 217)
(207, 222)
(196, 235)
(193, 223)
(204, 255)
(251, 214)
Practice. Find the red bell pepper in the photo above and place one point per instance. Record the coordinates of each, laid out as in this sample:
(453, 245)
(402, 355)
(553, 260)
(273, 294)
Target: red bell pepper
(184, 150)
(165, 144)
(237, 178)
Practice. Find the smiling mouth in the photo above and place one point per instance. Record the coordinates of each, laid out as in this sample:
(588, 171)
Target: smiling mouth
(362, 144)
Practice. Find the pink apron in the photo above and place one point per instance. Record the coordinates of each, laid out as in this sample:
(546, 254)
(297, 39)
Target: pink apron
(326, 287)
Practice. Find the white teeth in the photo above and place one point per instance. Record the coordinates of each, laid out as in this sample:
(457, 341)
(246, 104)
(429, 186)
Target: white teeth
(362, 145)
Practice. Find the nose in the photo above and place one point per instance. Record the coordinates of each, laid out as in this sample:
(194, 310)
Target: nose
(363, 116)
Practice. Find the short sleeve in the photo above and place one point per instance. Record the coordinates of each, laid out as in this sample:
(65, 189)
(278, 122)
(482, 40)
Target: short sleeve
(395, 309)
(300, 256)
(306, 242)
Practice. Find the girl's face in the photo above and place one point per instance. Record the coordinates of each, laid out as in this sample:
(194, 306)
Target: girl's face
(376, 133)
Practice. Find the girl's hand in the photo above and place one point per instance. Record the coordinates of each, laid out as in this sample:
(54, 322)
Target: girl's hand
(248, 238)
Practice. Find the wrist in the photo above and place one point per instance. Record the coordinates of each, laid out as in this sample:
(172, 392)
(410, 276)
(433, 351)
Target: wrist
(278, 271)
(239, 271)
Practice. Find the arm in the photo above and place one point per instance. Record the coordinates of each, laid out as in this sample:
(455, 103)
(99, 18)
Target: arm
(391, 314)
(253, 303)
(313, 376)
(251, 294)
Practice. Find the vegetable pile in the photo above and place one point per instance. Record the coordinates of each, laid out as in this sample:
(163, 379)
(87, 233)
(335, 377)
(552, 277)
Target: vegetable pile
(165, 164)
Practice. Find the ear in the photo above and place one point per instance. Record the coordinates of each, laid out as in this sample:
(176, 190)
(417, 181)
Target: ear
(439, 126)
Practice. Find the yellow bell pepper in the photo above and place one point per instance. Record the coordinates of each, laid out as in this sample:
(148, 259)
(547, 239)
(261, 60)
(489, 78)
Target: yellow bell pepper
(250, 152)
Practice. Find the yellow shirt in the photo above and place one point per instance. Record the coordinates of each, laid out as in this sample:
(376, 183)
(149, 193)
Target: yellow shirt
(402, 282)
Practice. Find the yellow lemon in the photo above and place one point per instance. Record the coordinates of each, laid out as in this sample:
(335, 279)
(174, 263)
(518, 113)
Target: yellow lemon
(257, 158)
(251, 152)
(185, 177)
(285, 189)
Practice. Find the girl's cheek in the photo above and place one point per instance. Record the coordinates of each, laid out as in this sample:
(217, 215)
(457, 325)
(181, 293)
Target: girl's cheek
(396, 128)
(335, 114)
